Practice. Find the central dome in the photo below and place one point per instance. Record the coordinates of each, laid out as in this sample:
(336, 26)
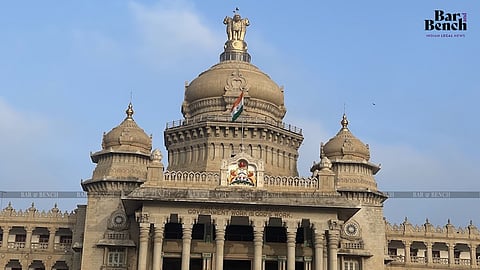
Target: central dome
(214, 91)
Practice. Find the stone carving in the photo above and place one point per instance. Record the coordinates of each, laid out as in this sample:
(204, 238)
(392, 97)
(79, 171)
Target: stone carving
(156, 156)
(236, 27)
(118, 221)
(242, 174)
(236, 82)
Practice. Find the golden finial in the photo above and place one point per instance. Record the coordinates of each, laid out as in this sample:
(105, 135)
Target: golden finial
(129, 111)
(344, 121)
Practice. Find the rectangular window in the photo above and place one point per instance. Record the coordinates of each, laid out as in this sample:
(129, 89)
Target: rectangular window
(20, 238)
(392, 251)
(116, 257)
(66, 239)
(351, 265)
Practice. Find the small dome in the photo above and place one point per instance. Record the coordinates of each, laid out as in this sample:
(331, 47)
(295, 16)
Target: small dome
(215, 90)
(127, 136)
(346, 146)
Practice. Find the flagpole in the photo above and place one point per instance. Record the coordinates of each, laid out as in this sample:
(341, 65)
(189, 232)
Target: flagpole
(241, 149)
(237, 109)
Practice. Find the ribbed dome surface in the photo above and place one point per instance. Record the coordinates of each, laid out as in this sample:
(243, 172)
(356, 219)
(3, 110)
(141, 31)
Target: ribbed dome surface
(346, 146)
(214, 91)
(127, 136)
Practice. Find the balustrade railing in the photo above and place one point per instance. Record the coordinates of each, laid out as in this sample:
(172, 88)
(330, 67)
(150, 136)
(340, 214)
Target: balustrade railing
(291, 182)
(16, 245)
(39, 245)
(438, 260)
(460, 261)
(417, 259)
(117, 235)
(62, 246)
(398, 258)
(225, 118)
(352, 245)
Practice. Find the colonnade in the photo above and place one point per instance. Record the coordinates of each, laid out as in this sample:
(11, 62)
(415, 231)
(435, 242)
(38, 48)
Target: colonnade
(325, 245)
(428, 252)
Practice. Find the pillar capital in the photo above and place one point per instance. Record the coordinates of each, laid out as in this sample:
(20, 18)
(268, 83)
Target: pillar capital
(220, 223)
(334, 225)
(319, 225)
(258, 224)
(187, 221)
(291, 226)
(160, 220)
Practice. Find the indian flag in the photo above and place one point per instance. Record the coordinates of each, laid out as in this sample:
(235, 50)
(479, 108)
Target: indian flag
(237, 107)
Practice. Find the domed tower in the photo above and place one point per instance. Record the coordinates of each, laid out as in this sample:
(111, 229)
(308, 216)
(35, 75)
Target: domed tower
(347, 158)
(122, 165)
(207, 134)
(126, 150)
(350, 160)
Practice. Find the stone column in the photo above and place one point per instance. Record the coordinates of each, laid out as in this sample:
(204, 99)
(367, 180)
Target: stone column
(291, 234)
(51, 238)
(220, 225)
(186, 243)
(473, 254)
(318, 246)
(307, 263)
(258, 244)
(429, 253)
(451, 259)
(207, 261)
(333, 238)
(282, 263)
(143, 246)
(407, 251)
(28, 239)
(6, 232)
(325, 254)
(48, 264)
(157, 246)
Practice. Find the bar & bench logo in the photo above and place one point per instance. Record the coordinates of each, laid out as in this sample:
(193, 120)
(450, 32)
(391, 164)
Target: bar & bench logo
(446, 24)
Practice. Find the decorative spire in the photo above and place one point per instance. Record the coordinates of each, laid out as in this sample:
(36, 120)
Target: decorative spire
(322, 153)
(55, 208)
(344, 122)
(129, 111)
(32, 208)
(9, 207)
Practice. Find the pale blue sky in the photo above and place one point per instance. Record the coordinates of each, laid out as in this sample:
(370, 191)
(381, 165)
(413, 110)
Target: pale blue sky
(67, 69)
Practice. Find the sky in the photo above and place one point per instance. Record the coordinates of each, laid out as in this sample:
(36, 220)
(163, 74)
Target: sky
(68, 70)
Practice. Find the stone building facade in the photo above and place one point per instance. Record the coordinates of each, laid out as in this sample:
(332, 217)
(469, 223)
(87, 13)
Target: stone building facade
(230, 196)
